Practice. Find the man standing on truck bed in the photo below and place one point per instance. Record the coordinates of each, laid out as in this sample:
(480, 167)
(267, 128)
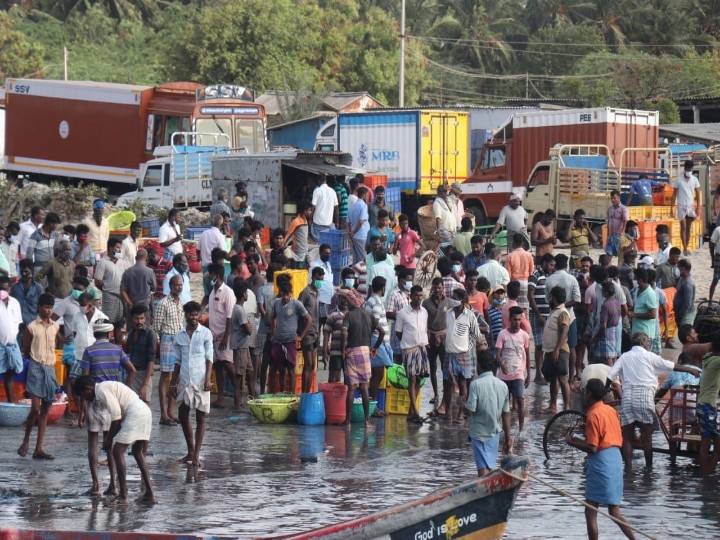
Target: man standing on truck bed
(689, 201)
(514, 217)
(617, 217)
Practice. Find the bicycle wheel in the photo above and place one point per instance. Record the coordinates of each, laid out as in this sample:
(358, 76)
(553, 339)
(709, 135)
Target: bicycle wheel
(554, 444)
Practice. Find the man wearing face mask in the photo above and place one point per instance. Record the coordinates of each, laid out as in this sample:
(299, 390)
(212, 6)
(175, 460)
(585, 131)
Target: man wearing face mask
(59, 272)
(379, 203)
(82, 253)
(66, 309)
(10, 246)
(83, 324)
(99, 227)
(10, 321)
(325, 293)
(397, 300)
(108, 276)
(309, 299)
(688, 197)
(27, 292)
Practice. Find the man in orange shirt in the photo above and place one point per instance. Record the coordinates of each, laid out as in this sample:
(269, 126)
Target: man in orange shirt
(520, 265)
(603, 440)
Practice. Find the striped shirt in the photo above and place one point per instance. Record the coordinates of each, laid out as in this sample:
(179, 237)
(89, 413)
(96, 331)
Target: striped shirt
(333, 327)
(103, 359)
(161, 269)
(343, 200)
(536, 287)
(375, 306)
(496, 321)
(41, 248)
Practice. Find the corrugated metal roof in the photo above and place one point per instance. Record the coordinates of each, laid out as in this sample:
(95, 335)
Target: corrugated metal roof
(706, 133)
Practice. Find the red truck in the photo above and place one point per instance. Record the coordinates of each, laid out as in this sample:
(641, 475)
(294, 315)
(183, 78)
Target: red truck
(103, 131)
(506, 162)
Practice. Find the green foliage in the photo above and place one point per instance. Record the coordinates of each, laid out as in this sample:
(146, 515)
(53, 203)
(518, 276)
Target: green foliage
(669, 111)
(19, 56)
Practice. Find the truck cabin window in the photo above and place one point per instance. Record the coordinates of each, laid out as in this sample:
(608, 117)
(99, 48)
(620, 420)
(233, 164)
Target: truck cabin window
(208, 127)
(328, 131)
(540, 177)
(249, 134)
(153, 176)
(494, 157)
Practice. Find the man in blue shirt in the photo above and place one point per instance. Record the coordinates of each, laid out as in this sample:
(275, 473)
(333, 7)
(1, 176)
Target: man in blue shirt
(27, 291)
(358, 225)
(180, 268)
(641, 191)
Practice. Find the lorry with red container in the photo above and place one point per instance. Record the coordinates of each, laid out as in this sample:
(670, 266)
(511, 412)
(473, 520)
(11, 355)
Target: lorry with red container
(523, 144)
(103, 132)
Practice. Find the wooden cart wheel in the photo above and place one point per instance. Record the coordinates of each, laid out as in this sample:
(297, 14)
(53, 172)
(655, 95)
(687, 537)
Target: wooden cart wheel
(425, 269)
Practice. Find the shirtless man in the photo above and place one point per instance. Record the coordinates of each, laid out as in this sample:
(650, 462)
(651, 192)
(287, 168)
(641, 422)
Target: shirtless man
(543, 234)
(692, 348)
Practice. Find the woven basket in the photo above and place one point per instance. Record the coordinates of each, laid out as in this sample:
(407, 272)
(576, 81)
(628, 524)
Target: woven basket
(426, 221)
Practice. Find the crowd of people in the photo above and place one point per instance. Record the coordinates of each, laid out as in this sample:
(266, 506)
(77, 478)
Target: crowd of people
(125, 310)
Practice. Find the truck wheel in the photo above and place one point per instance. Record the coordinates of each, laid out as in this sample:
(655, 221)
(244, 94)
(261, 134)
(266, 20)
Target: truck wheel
(480, 217)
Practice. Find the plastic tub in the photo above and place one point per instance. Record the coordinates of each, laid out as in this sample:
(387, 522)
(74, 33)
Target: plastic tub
(335, 397)
(120, 221)
(357, 414)
(275, 410)
(311, 411)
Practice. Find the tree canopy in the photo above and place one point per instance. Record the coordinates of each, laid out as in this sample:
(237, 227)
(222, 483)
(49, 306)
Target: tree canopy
(628, 53)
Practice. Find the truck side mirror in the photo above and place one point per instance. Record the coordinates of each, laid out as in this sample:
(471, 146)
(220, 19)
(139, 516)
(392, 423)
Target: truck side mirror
(138, 185)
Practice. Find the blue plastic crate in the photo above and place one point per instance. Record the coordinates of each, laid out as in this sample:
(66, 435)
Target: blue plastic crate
(151, 227)
(337, 240)
(392, 196)
(381, 400)
(193, 233)
(340, 259)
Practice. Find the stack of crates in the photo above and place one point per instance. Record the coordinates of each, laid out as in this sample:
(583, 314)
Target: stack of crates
(340, 252)
(193, 233)
(150, 228)
(395, 400)
(392, 197)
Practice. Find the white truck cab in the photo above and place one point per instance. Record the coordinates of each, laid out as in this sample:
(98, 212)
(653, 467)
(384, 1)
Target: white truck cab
(180, 174)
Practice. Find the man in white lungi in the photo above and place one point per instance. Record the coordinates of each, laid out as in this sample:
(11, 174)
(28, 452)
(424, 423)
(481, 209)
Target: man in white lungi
(131, 423)
(190, 382)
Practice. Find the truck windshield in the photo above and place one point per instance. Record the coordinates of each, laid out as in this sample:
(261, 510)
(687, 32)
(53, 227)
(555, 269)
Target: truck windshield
(493, 157)
(213, 126)
(249, 134)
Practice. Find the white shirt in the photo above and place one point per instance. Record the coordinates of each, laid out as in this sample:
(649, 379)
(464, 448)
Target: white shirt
(114, 397)
(662, 255)
(458, 208)
(387, 270)
(128, 252)
(326, 291)
(99, 234)
(594, 371)
(460, 330)
(168, 232)
(686, 189)
(11, 254)
(442, 210)
(639, 367)
(324, 200)
(209, 240)
(10, 320)
(513, 219)
(495, 273)
(27, 228)
(413, 326)
(84, 333)
(714, 239)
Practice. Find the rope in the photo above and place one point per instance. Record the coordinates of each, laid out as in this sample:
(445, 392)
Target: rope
(578, 500)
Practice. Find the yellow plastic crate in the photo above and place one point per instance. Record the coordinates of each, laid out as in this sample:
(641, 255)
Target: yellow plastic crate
(60, 372)
(398, 401)
(660, 212)
(298, 280)
(639, 213)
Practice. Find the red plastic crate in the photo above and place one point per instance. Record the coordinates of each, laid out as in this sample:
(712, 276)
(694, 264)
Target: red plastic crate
(375, 180)
(19, 388)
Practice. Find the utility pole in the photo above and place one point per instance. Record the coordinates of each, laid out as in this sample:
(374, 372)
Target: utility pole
(527, 85)
(65, 62)
(401, 90)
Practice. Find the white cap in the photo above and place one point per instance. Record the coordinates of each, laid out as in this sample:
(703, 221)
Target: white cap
(647, 262)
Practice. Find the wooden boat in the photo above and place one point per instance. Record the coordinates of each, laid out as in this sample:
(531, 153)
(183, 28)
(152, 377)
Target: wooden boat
(476, 510)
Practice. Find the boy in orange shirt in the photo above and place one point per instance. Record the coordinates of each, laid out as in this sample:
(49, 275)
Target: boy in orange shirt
(603, 440)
